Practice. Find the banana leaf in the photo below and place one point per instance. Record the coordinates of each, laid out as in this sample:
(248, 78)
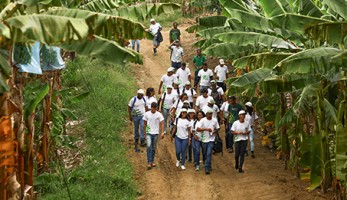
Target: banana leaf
(341, 142)
(100, 5)
(252, 21)
(304, 104)
(272, 8)
(203, 44)
(38, 92)
(5, 70)
(231, 51)
(338, 6)
(288, 118)
(330, 32)
(235, 4)
(306, 7)
(261, 60)
(252, 77)
(211, 32)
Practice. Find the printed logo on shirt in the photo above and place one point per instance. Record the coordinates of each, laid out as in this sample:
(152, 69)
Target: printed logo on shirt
(205, 77)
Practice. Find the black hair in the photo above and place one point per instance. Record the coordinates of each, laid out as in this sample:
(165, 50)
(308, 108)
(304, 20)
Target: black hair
(149, 90)
(205, 64)
(182, 95)
(154, 105)
(202, 112)
(204, 90)
(184, 64)
(180, 116)
(232, 98)
(249, 110)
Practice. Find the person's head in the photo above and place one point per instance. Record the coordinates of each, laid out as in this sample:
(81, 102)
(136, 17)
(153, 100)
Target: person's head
(204, 92)
(169, 89)
(184, 97)
(229, 99)
(221, 62)
(200, 115)
(211, 102)
(175, 25)
(204, 66)
(170, 71)
(152, 21)
(242, 115)
(191, 113)
(183, 113)
(232, 100)
(249, 107)
(186, 103)
(154, 106)
(176, 84)
(188, 85)
(213, 84)
(198, 52)
(177, 43)
(184, 66)
(150, 92)
(140, 93)
(209, 112)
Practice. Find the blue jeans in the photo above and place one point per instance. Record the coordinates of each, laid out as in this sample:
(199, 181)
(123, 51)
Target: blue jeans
(152, 140)
(203, 87)
(165, 113)
(196, 78)
(196, 151)
(207, 149)
(176, 65)
(138, 124)
(137, 43)
(251, 139)
(181, 149)
(229, 138)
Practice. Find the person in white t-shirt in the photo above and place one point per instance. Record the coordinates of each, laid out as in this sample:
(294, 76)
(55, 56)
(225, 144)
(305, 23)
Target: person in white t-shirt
(176, 54)
(191, 116)
(209, 127)
(167, 79)
(205, 76)
(251, 118)
(136, 108)
(183, 74)
(202, 100)
(153, 125)
(197, 144)
(150, 97)
(216, 112)
(154, 29)
(216, 93)
(221, 71)
(182, 135)
(176, 88)
(165, 103)
(190, 92)
(225, 109)
(241, 130)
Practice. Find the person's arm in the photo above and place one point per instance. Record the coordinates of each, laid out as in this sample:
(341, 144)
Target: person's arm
(130, 115)
(189, 78)
(144, 128)
(189, 136)
(160, 86)
(162, 129)
(173, 133)
(170, 46)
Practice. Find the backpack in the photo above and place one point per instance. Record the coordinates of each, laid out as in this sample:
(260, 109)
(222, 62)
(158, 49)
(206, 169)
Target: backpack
(218, 145)
(159, 37)
(191, 91)
(163, 100)
(135, 97)
(216, 96)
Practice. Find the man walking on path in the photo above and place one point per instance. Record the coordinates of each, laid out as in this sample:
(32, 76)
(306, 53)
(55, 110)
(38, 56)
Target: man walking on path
(176, 54)
(234, 109)
(153, 125)
(154, 29)
(205, 76)
(221, 72)
(198, 61)
(137, 107)
(166, 80)
(175, 33)
(183, 75)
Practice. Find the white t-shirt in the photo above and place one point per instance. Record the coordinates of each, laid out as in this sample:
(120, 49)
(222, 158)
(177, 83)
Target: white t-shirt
(167, 80)
(177, 106)
(243, 127)
(206, 135)
(250, 119)
(176, 54)
(219, 90)
(201, 101)
(205, 77)
(169, 100)
(193, 128)
(154, 28)
(189, 94)
(221, 72)
(153, 122)
(224, 108)
(150, 100)
(214, 108)
(183, 75)
(182, 128)
(139, 108)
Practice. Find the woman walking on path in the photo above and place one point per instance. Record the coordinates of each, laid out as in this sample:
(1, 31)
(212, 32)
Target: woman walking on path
(153, 125)
(251, 118)
(165, 103)
(150, 96)
(241, 131)
(197, 144)
(191, 115)
(182, 135)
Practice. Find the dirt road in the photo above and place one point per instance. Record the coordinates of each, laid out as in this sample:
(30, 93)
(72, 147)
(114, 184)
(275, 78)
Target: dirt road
(264, 177)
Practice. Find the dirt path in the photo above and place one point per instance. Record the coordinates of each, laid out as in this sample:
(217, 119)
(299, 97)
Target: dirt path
(264, 177)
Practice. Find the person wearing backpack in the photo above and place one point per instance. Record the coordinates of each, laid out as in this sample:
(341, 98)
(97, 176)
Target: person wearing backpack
(155, 29)
(136, 108)
(167, 79)
(176, 54)
(221, 72)
(196, 141)
(216, 93)
(165, 103)
(234, 108)
(153, 125)
(209, 128)
(191, 93)
(251, 118)
(176, 88)
(241, 130)
(150, 96)
(182, 136)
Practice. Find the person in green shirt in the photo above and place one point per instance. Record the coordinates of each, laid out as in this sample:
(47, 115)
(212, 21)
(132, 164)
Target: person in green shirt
(175, 33)
(198, 61)
(233, 109)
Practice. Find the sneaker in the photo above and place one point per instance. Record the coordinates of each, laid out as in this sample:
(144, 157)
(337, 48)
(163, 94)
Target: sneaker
(137, 150)
(207, 172)
(177, 163)
(230, 150)
(197, 168)
(252, 153)
(236, 167)
(246, 153)
(149, 166)
(240, 170)
(183, 167)
(143, 143)
(153, 165)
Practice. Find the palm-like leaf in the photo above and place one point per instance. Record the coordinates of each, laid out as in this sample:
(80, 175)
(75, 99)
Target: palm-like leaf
(261, 60)
(207, 22)
(231, 51)
(251, 20)
(330, 32)
(272, 8)
(252, 77)
(306, 7)
(338, 6)
(100, 5)
(211, 32)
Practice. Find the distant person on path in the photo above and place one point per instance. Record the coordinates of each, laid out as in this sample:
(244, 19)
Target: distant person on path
(234, 109)
(221, 72)
(205, 75)
(167, 79)
(241, 130)
(182, 136)
(165, 103)
(224, 109)
(176, 88)
(137, 44)
(155, 28)
(137, 107)
(176, 54)
(153, 125)
(198, 61)
(197, 144)
(150, 97)
(202, 100)
(216, 93)
(183, 75)
(209, 128)
(211, 105)
(191, 93)
(251, 118)
(175, 33)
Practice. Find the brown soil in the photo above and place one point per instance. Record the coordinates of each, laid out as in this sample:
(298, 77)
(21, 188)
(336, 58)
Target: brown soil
(264, 177)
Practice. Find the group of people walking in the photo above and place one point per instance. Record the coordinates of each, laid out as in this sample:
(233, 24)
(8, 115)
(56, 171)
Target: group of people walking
(192, 121)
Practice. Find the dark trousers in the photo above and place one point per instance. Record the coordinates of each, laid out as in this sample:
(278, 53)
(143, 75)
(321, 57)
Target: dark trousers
(240, 149)
(190, 152)
(196, 78)
(229, 138)
(222, 85)
(176, 65)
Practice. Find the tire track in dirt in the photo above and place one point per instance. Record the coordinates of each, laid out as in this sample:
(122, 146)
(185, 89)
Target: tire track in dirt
(264, 177)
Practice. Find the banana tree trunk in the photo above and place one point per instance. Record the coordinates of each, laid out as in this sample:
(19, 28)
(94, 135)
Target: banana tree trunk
(29, 157)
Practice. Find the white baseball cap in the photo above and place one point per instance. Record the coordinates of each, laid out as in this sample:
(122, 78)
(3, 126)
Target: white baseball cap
(186, 101)
(191, 111)
(211, 100)
(213, 81)
(249, 104)
(242, 112)
(221, 61)
(170, 69)
(188, 83)
(152, 20)
(169, 87)
(140, 91)
(209, 110)
(177, 82)
(183, 110)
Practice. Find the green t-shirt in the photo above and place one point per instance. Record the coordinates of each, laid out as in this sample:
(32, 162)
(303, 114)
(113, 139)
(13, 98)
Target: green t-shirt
(234, 111)
(199, 61)
(174, 34)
